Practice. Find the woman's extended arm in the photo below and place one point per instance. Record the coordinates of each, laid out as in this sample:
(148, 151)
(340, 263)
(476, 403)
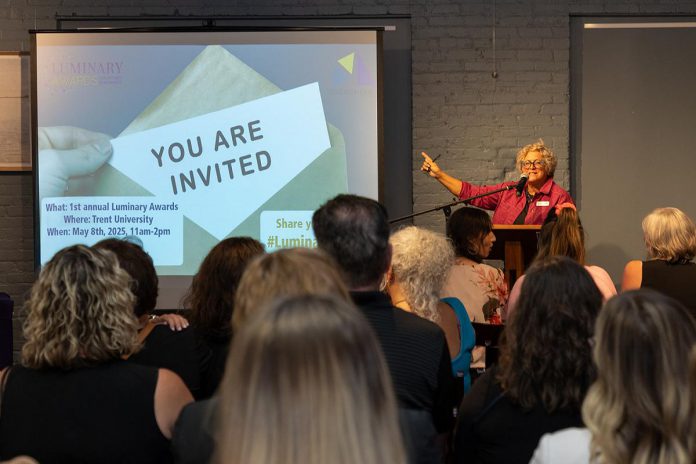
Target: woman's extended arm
(433, 170)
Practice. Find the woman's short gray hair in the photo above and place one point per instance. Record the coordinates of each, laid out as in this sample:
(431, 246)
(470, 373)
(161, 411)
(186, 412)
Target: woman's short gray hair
(669, 235)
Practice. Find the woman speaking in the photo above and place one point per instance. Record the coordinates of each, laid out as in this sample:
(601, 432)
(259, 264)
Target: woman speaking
(535, 161)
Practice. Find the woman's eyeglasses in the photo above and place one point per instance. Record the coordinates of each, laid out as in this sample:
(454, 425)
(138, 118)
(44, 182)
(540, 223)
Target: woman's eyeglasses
(535, 163)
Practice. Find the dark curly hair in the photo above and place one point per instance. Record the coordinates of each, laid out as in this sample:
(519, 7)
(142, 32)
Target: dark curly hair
(546, 357)
(211, 295)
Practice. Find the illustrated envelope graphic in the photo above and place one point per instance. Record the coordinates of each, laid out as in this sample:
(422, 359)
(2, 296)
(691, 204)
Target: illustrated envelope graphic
(196, 164)
(213, 81)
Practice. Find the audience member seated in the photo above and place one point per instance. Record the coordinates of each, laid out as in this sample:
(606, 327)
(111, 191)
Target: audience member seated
(307, 383)
(670, 240)
(175, 350)
(73, 399)
(421, 260)
(284, 273)
(544, 370)
(355, 232)
(210, 300)
(481, 288)
(563, 235)
(641, 407)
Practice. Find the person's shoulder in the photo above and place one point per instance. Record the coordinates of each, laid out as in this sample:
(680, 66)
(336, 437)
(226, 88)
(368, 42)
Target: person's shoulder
(131, 369)
(596, 269)
(417, 335)
(551, 182)
(602, 279)
(570, 446)
(414, 322)
(598, 272)
(199, 414)
(563, 195)
(484, 393)
(162, 335)
(632, 275)
(163, 330)
(192, 439)
(490, 269)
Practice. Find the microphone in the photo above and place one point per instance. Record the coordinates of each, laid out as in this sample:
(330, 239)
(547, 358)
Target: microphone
(519, 188)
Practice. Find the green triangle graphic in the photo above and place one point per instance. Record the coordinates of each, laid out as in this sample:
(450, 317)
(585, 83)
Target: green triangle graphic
(347, 62)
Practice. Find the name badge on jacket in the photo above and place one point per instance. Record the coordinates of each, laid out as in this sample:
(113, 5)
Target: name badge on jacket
(542, 203)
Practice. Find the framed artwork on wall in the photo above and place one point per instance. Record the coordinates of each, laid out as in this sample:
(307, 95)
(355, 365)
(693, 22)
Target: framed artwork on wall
(15, 112)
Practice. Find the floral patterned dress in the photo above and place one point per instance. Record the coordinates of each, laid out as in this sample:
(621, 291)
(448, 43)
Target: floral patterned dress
(482, 290)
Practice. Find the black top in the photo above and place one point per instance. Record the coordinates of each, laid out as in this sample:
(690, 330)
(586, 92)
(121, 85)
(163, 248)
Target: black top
(675, 280)
(176, 351)
(101, 414)
(212, 365)
(417, 356)
(493, 429)
(193, 438)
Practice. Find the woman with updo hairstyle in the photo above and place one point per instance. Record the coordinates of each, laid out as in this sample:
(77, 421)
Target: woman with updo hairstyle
(544, 371)
(480, 287)
(563, 235)
(640, 410)
(670, 241)
(306, 383)
(73, 398)
(210, 300)
(421, 260)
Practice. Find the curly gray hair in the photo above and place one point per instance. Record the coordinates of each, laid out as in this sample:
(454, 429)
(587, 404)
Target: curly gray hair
(421, 261)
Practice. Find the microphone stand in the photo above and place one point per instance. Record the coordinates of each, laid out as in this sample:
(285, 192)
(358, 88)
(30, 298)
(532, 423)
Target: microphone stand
(447, 209)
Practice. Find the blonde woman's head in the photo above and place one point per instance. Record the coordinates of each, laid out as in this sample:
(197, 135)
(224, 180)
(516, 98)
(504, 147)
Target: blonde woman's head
(640, 409)
(306, 383)
(421, 260)
(289, 272)
(670, 235)
(80, 311)
(547, 156)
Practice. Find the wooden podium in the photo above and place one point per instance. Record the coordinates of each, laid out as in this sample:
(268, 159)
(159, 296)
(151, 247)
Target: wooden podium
(516, 247)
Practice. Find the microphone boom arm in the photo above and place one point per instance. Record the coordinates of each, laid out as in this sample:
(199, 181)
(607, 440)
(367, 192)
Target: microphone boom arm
(449, 206)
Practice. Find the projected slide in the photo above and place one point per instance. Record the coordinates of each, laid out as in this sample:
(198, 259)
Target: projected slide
(177, 141)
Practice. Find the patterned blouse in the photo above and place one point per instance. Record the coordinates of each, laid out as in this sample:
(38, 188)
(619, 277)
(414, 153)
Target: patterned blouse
(481, 288)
